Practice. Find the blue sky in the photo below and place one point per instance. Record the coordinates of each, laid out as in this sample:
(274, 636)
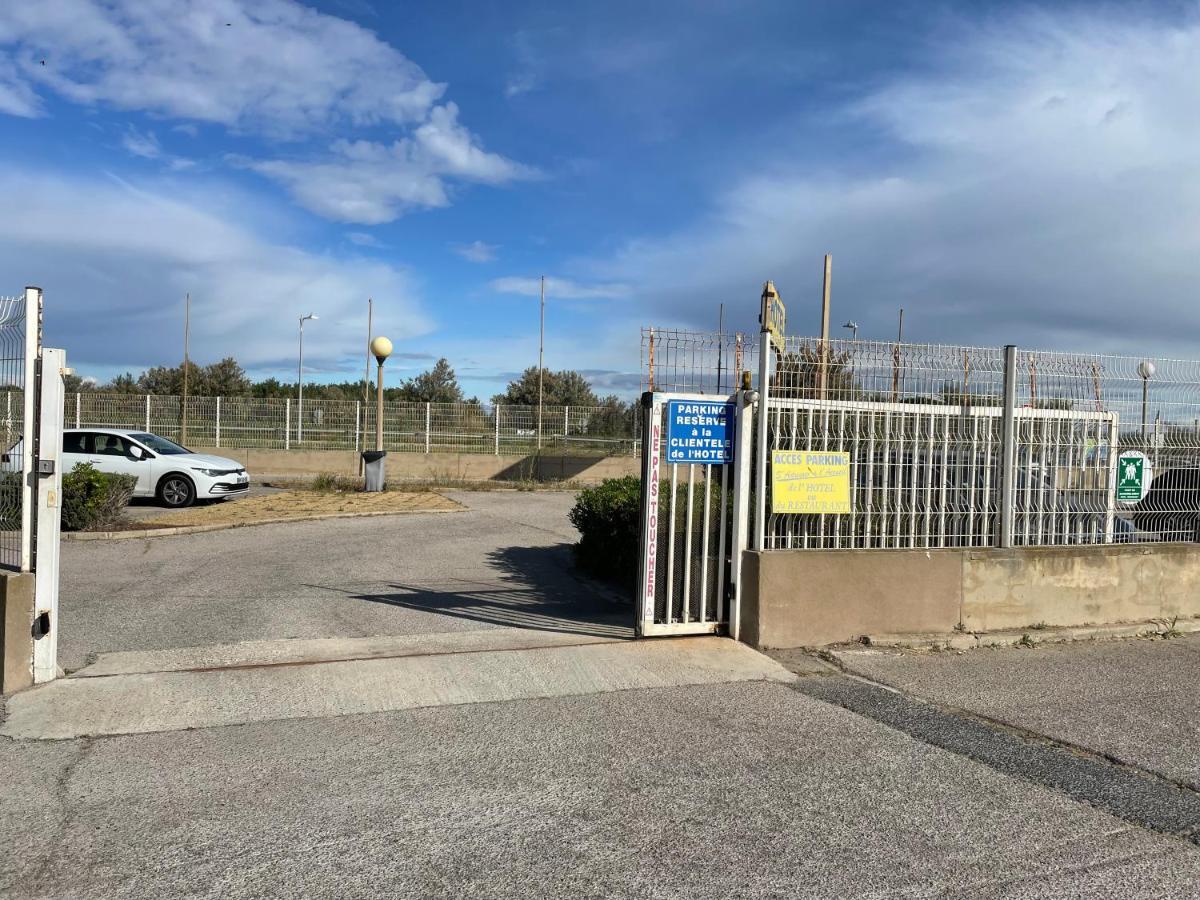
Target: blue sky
(1006, 172)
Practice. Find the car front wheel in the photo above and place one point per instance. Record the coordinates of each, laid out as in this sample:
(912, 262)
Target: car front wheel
(176, 491)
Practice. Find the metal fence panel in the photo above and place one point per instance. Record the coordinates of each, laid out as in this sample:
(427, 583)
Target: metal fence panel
(281, 423)
(14, 508)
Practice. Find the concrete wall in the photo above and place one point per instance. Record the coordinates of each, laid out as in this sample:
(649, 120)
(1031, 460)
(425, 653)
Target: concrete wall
(433, 466)
(809, 598)
(16, 631)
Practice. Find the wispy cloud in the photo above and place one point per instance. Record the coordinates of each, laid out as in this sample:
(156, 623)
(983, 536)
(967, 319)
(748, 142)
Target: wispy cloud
(476, 251)
(271, 66)
(1039, 175)
(562, 288)
(363, 239)
(143, 144)
(371, 183)
(111, 256)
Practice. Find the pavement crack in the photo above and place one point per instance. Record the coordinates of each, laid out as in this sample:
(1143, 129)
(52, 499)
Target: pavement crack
(51, 854)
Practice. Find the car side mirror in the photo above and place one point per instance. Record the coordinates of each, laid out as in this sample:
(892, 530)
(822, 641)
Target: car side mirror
(137, 453)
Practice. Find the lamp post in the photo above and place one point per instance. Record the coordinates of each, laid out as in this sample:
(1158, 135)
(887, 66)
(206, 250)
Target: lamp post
(300, 382)
(853, 326)
(1146, 370)
(382, 348)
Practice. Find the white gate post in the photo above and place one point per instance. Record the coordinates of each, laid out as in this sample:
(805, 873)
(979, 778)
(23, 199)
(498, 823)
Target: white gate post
(33, 340)
(77, 405)
(218, 421)
(49, 515)
(740, 538)
(566, 423)
(357, 417)
(498, 408)
(148, 412)
(287, 424)
(427, 418)
(651, 470)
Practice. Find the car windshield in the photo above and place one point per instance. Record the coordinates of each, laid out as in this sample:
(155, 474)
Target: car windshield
(160, 444)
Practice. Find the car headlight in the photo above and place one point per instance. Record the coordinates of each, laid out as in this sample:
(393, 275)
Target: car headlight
(211, 473)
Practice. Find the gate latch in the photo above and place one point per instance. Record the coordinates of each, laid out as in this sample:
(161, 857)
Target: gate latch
(45, 467)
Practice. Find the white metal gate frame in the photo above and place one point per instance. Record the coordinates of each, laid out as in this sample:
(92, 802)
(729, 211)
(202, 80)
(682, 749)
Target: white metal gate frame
(732, 530)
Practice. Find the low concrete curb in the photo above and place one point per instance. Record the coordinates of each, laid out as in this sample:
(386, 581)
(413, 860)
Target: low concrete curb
(1032, 636)
(200, 529)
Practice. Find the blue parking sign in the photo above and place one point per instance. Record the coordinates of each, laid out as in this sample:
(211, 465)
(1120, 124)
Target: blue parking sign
(699, 431)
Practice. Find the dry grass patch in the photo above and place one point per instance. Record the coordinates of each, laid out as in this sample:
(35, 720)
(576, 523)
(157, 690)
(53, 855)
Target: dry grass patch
(306, 505)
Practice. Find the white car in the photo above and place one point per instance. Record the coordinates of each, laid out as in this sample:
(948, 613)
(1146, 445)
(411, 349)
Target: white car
(173, 474)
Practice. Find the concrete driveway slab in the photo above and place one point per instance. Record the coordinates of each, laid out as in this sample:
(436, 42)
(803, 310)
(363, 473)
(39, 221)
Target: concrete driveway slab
(171, 701)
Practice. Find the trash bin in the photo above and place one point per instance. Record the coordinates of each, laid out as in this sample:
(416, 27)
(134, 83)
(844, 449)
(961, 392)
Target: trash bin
(373, 467)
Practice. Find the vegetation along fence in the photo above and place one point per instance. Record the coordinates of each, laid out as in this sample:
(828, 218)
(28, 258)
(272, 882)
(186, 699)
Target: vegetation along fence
(285, 424)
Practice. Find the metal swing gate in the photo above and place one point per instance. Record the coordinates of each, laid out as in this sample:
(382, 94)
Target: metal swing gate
(694, 522)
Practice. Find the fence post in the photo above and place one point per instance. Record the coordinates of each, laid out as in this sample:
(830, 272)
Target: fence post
(566, 423)
(427, 418)
(147, 412)
(218, 426)
(78, 403)
(287, 424)
(357, 416)
(763, 454)
(1008, 447)
(498, 408)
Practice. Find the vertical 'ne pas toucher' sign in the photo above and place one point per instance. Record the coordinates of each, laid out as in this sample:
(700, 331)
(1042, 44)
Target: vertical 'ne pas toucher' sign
(699, 431)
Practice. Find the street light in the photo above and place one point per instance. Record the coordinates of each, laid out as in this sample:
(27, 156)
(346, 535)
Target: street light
(1146, 370)
(300, 381)
(374, 460)
(853, 326)
(382, 348)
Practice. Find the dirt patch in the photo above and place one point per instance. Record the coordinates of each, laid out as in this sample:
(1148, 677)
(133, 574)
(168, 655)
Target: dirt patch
(304, 505)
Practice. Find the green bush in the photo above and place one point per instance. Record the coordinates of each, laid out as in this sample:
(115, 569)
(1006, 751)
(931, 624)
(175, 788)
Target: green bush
(607, 518)
(93, 500)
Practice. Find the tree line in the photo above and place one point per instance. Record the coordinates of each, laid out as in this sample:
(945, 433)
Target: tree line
(438, 384)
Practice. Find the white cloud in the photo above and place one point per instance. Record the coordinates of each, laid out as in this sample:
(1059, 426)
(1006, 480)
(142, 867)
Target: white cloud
(363, 239)
(271, 66)
(370, 183)
(143, 144)
(477, 251)
(115, 262)
(1042, 187)
(561, 288)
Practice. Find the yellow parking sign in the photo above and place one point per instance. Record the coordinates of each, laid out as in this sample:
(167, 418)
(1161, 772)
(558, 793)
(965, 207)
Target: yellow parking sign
(810, 481)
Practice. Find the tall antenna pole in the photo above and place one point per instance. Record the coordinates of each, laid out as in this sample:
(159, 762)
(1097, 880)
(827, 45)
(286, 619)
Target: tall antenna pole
(367, 371)
(720, 346)
(541, 367)
(183, 404)
(824, 370)
(896, 357)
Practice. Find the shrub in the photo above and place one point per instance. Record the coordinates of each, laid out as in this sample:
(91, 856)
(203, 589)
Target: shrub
(607, 519)
(93, 499)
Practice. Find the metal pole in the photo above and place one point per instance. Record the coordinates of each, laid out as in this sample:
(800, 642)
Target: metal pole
(300, 388)
(760, 498)
(428, 422)
(721, 346)
(1145, 391)
(183, 410)
(218, 421)
(379, 409)
(824, 370)
(1008, 447)
(287, 423)
(498, 408)
(541, 348)
(366, 397)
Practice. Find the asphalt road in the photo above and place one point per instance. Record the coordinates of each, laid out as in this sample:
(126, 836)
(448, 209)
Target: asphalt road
(753, 789)
(1134, 700)
(504, 561)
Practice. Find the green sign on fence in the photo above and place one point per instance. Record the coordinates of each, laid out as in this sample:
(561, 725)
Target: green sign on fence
(1133, 476)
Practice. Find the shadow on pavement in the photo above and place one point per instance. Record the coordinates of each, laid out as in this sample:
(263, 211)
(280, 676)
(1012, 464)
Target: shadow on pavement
(535, 588)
